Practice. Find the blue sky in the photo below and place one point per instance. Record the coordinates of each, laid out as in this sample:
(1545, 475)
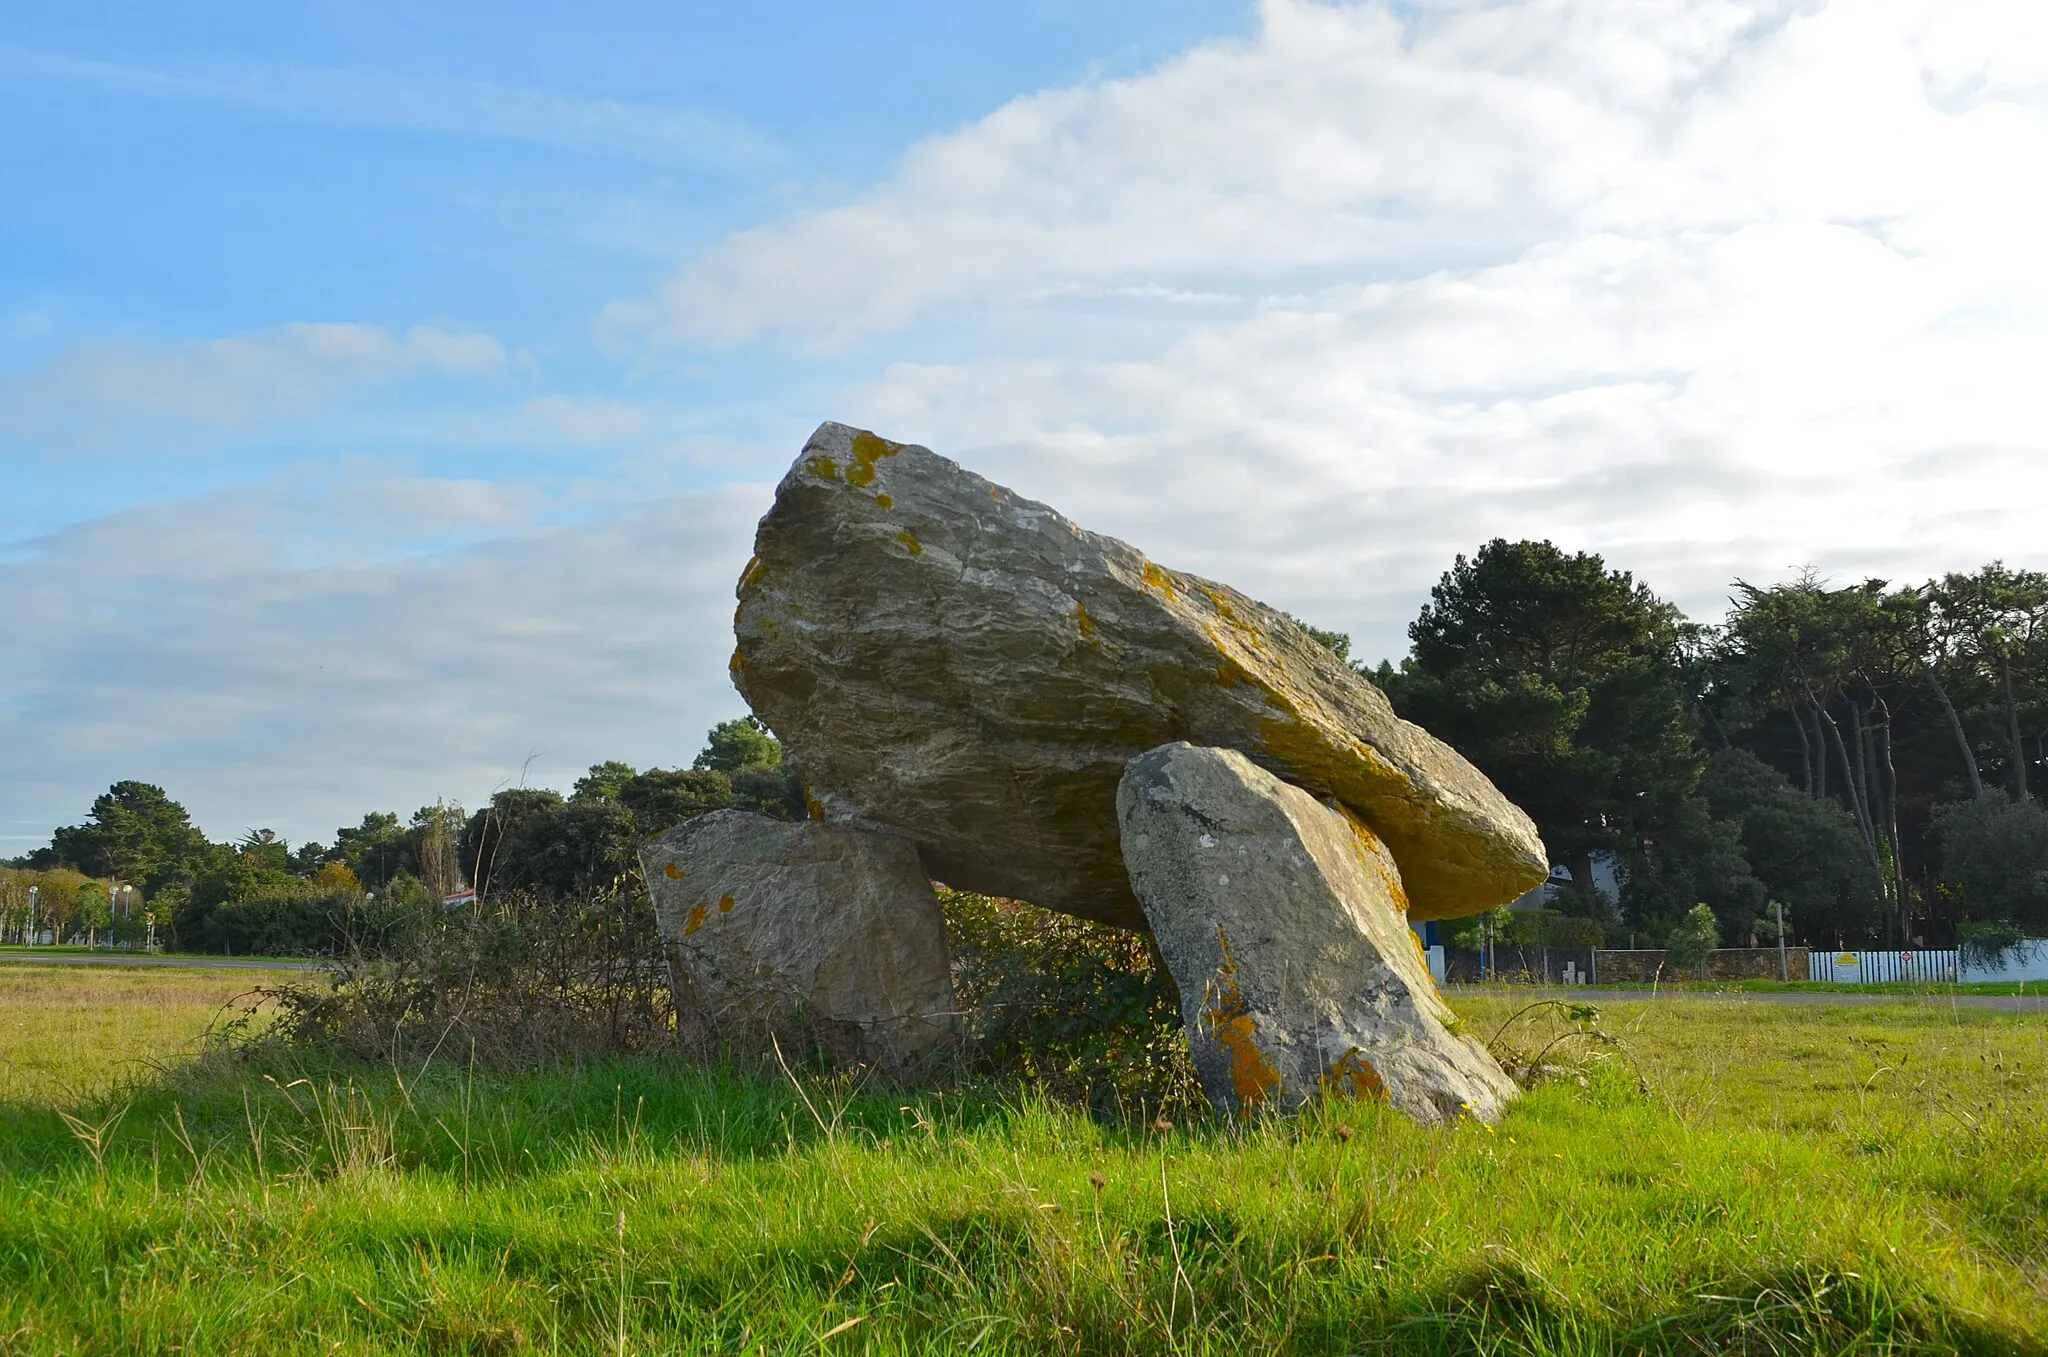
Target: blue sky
(387, 392)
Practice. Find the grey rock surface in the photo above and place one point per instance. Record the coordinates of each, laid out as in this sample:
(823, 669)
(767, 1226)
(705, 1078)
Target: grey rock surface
(1280, 919)
(835, 927)
(945, 658)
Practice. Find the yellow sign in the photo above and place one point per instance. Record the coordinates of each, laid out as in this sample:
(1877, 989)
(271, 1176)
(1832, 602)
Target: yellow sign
(1846, 959)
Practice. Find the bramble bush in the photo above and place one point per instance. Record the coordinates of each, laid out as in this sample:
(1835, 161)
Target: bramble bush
(1084, 1012)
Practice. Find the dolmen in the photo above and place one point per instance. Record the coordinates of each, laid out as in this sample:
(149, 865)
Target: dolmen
(991, 696)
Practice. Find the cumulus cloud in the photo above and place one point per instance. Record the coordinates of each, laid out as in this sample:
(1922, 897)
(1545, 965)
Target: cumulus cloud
(297, 653)
(1347, 136)
(1719, 289)
(95, 395)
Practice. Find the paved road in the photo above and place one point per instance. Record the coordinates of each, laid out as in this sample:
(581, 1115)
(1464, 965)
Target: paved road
(2010, 1003)
(185, 963)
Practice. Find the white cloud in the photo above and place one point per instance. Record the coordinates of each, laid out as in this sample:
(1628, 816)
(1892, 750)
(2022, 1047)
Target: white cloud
(298, 653)
(1718, 288)
(99, 393)
(1346, 136)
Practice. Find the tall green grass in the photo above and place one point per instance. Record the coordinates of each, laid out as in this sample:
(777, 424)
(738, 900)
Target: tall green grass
(1734, 1177)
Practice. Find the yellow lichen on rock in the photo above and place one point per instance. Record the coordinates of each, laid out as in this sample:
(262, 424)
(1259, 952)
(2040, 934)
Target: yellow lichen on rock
(725, 903)
(1158, 579)
(867, 448)
(751, 576)
(1372, 854)
(1252, 1076)
(695, 921)
(1351, 1075)
(910, 544)
(822, 467)
(884, 501)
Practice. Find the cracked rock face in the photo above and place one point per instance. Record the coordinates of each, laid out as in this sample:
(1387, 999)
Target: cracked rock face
(833, 928)
(962, 666)
(1284, 923)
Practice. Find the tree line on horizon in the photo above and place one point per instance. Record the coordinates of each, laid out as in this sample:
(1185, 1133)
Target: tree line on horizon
(1869, 759)
(377, 879)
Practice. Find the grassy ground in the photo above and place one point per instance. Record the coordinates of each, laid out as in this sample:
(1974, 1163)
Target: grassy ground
(68, 1034)
(1751, 1178)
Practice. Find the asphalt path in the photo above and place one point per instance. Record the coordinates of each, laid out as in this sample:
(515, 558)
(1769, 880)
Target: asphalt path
(182, 963)
(2010, 1003)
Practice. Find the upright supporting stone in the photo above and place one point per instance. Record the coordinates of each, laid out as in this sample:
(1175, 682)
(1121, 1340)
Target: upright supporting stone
(1284, 923)
(769, 924)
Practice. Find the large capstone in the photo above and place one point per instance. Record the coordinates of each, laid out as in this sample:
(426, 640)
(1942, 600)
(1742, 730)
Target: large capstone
(829, 928)
(947, 659)
(1283, 921)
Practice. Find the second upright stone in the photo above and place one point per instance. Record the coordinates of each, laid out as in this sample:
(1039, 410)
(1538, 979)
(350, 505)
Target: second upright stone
(1285, 925)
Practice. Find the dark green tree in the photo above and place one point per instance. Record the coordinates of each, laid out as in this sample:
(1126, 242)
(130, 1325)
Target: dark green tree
(661, 798)
(742, 742)
(1804, 851)
(263, 847)
(1561, 680)
(376, 850)
(136, 834)
(1994, 859)
(603, 782)
(2002, 614)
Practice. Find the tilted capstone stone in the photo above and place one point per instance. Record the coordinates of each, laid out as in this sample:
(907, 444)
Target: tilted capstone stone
(1283, 921)
(827, 927)
(946, 659)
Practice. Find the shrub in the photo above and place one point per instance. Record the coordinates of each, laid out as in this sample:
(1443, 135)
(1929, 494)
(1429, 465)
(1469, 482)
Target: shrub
(1693, 941)
(1994, 854)
(1084, 1012)
(297, 924)
(522, 980)
(1087, 1011)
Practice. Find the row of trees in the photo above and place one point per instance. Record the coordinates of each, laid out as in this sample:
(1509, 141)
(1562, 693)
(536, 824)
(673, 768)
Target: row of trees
(64, 904)
(262, 895)
(1871, 756)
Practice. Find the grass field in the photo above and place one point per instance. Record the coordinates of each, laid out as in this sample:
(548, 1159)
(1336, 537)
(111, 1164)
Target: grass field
(68, 1034)
(1753, 1177)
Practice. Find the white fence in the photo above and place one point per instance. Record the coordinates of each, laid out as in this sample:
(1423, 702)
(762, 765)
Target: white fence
(1870, 968)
